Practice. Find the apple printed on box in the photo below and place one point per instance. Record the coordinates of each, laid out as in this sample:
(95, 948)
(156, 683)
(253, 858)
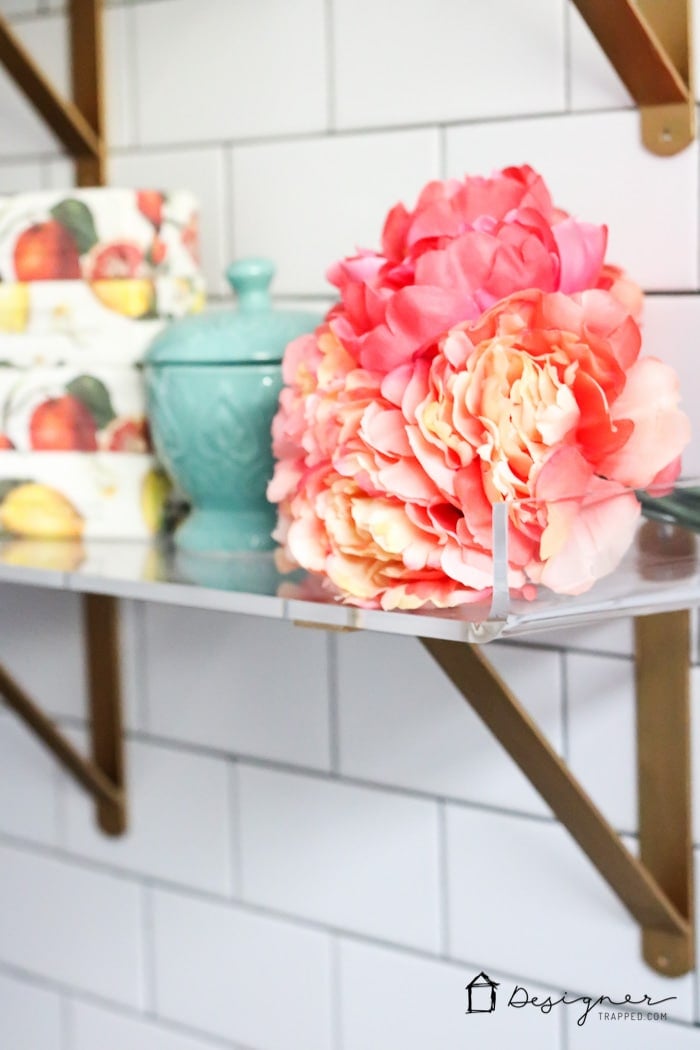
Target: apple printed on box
(62, 409)
(66, 495)
(98, 234)
(107, 322)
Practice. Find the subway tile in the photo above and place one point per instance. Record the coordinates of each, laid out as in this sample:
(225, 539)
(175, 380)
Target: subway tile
(254, 686)
(19, 178)
(524, 899)
(28, 796)
(602, 734)
(239, 976)
(41, 632)
(95, 1028)
(120, 83)
(308, 203)
(179, 820)
(198, 170)
(358, 858)
(18, 7)
(594, 81)
(30, 1017)
(222, 71)
(437, 62)
(81, 928)
(59, 172)
(389, 999)
(597, 169)
(430, 739)
(670, 322)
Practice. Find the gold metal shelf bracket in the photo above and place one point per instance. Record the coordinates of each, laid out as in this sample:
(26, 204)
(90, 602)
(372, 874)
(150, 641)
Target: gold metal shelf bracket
(102, 776)
(79, 125)
(649, 44)
(657, 887)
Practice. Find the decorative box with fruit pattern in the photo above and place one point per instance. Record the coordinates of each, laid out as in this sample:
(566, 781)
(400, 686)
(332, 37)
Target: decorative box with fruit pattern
(87, 279)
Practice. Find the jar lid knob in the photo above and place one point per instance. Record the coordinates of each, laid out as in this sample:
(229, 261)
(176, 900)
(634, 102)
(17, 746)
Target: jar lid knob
(250, 279)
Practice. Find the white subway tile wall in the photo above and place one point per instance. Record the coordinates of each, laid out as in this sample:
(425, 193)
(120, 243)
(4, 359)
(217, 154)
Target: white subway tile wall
(31, 1015)
(249, 978)
(325, 845)
(437, 60)
(28, 799)
(189, 842)
(317, 199)
(353, 846)
(75, 926)
(94, 1026)
(219, 70)
(421, 735)
(239, 685)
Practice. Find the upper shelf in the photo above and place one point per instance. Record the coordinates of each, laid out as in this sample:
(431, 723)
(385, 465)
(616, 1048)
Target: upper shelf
(660, 572)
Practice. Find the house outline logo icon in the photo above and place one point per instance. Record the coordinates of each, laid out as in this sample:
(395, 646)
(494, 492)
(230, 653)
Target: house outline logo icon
(481, 994)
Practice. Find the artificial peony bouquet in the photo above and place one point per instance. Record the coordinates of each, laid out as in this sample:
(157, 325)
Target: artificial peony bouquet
(486, 353)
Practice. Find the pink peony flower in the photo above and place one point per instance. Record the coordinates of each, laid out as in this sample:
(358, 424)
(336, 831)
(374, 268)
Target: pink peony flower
(488, 355)
(466, 245)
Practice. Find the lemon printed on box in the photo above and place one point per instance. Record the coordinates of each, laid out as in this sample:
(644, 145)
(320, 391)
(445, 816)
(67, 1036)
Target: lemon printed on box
(14, 307)
(155, 490)
(133, 297)
(40, 512)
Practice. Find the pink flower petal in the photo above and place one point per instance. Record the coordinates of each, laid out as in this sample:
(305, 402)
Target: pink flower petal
(581, 251)
(661, 431)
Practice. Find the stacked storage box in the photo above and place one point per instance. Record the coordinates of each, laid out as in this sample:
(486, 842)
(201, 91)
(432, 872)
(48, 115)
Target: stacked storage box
(87, 279)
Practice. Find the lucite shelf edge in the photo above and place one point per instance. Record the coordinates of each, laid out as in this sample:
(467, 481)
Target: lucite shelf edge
(139, 571)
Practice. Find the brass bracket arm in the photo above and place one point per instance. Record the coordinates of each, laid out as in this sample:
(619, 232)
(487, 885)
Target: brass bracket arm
(656, 888)
(79, 125)
(649, 44)
(103, 775)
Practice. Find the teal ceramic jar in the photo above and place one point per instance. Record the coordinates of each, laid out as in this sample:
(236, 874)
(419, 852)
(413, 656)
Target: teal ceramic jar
(212, 384)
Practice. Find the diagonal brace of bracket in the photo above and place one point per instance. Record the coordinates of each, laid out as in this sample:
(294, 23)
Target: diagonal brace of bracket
(103, 776)
(649, 888)
(649, 44)
(78, 124)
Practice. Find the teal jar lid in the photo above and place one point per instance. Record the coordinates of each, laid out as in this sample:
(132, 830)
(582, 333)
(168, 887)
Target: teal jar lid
(254, 333)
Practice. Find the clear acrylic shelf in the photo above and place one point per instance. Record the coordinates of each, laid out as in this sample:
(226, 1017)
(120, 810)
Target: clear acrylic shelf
(659, 571)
